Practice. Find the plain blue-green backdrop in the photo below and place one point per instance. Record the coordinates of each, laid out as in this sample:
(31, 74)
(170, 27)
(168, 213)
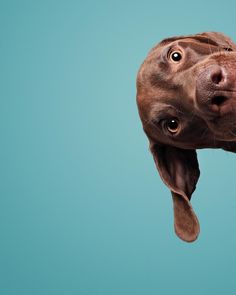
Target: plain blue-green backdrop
(82, 208)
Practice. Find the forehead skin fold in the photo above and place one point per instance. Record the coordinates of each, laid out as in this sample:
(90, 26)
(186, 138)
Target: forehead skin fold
(210, 38)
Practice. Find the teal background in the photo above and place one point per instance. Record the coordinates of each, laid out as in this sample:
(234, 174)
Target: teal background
(82, 208)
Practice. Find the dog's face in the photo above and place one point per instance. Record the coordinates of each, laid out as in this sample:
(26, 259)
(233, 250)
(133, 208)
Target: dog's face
(186, 91)
(186, 96)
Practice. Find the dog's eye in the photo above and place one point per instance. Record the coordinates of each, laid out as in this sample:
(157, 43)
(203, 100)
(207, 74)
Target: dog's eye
(176, 56)
(172, 126)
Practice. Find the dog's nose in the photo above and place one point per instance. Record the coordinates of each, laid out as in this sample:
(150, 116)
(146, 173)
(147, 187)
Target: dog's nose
(210, 86)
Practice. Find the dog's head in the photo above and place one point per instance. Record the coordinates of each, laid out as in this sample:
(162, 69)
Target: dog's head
(186, 96)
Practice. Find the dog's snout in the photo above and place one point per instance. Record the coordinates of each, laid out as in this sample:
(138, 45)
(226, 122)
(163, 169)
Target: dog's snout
(210, 86)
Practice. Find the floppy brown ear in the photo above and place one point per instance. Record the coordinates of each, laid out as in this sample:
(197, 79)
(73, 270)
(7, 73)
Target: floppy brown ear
(221, 39)
(179, 170)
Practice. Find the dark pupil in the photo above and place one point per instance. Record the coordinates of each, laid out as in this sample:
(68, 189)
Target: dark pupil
(172, 125)
(176, 56)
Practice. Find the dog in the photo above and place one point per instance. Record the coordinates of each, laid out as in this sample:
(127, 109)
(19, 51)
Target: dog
(186, 98)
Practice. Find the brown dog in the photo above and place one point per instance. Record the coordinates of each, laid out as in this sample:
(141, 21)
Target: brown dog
(186, 96)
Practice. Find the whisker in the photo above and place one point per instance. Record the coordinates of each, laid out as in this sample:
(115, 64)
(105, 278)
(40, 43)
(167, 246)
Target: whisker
(214, 140)
(232, 133)
(204, 132)
(208, 41)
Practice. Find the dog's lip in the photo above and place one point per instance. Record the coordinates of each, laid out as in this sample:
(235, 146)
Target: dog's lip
(216, 107)
(227, 134)
(228, 93)
(230, 137)
(221, 104)
(225, 91)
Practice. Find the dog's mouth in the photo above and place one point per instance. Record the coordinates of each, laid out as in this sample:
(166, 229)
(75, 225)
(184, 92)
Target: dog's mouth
(220, 114)
(223, 103)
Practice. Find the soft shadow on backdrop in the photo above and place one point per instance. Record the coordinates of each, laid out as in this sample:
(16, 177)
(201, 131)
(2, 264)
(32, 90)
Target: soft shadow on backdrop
(82, 208)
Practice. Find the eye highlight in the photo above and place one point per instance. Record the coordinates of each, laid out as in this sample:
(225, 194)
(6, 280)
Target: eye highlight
(175, 56)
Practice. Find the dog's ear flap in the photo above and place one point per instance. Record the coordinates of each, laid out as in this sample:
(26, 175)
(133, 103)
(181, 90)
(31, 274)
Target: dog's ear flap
(179, 170)
(220, 39)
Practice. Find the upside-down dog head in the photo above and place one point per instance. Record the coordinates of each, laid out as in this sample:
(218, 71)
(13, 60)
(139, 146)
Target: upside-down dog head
(181, 98)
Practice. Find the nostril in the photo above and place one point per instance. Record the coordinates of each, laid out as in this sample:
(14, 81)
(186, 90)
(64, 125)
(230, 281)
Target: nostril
(217, 77)
(218, 100)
